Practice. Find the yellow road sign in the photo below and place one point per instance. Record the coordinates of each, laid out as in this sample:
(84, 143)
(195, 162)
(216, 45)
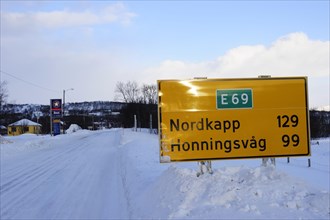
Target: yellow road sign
(212, 119)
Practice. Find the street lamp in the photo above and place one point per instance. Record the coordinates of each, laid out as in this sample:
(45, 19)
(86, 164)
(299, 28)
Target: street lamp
(63, 106)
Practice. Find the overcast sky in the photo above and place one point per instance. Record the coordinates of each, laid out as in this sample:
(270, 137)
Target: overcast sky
(48, 46)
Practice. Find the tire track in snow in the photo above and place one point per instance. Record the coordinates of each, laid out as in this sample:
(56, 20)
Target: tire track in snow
(25, 180)
(33, 177)
(21, 168)
(26, 174)
(123, 177)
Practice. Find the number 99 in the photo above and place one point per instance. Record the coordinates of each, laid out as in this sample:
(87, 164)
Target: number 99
(286, 140)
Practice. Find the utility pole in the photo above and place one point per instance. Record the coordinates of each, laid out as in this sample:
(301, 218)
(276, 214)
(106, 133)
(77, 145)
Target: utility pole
(63, 110)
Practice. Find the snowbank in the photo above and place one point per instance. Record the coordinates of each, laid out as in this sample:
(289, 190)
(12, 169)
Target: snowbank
(73, 128)
(15, 145)
(3, 140)
(163, 191)
(231, 193)
(238, 189)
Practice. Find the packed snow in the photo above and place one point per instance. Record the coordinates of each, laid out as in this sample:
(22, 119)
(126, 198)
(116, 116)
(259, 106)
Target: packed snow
(116, 174)
(73, 128)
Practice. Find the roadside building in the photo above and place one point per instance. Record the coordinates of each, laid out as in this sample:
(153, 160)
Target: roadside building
(24, 126)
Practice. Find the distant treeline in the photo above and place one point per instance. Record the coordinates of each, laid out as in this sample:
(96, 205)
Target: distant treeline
(319, 123)
(124, 117)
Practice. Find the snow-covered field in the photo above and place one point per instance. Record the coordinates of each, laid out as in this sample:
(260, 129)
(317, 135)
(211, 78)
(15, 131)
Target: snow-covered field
(116, 174)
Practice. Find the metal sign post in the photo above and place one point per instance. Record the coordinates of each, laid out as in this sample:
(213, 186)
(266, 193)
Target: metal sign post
(55, 116)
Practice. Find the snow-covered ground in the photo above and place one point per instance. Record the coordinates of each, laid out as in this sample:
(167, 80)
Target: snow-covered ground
(116, 174)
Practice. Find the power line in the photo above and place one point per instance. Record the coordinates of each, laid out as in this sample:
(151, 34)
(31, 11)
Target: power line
(30, 83)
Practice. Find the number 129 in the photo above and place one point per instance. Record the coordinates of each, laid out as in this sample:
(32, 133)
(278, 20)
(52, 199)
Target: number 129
(285, 121)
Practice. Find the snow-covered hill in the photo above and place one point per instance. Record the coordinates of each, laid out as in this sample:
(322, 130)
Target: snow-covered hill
(324, 108)
(116, 174)
(82, 107)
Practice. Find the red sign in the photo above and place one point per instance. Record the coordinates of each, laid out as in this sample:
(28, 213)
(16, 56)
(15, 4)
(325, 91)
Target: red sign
(56, 108)
(56, 104)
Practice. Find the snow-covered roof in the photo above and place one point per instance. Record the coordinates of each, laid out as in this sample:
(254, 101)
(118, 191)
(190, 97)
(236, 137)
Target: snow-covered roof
(25, 122)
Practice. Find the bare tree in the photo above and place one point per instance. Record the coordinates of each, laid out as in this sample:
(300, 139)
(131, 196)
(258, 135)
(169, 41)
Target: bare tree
(149, 94)
(121, 92)
(3, 93)
(128, 92)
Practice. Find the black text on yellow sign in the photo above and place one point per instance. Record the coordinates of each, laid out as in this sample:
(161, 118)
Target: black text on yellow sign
(233, 118)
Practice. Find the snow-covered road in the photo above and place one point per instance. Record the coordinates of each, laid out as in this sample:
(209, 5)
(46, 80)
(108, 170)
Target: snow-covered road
(116, 174)
(78, 177)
